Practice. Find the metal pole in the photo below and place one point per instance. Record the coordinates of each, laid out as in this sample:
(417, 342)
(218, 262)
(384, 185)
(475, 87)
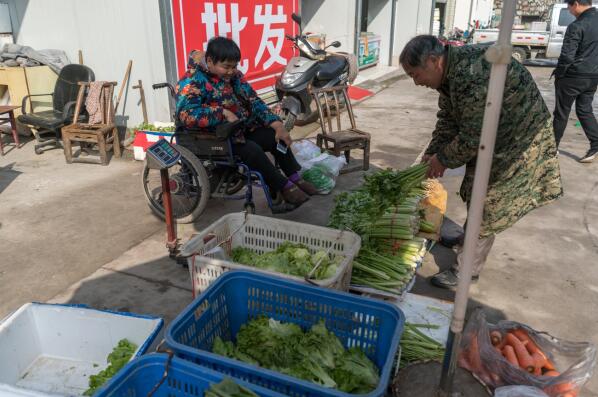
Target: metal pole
(393, 16)
(499, 55)
(171, 242)
(357, 26)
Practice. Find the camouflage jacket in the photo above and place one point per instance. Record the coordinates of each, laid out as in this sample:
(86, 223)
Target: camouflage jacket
(525, 170)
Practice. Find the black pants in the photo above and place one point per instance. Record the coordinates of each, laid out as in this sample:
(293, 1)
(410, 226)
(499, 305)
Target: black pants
(580, 90)
(253, 153)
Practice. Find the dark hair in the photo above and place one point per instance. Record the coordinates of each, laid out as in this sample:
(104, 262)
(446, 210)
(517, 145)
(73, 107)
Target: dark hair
(419, 49)
(581, 2)
(222, 49)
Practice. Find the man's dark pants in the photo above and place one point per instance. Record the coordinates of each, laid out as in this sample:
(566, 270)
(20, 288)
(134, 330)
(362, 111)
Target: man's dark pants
(581, 91)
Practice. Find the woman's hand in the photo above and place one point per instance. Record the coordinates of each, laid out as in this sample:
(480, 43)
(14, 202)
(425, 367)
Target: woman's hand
(229, 116)
(281, 133)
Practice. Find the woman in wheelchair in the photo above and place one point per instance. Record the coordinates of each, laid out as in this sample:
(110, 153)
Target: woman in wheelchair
(213, 92)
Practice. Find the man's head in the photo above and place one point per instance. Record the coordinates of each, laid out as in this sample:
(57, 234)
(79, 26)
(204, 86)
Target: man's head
(424, 61)
(578, 7)
(222, 57)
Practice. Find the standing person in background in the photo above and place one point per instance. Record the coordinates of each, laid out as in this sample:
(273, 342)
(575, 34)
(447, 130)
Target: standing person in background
(576, 75)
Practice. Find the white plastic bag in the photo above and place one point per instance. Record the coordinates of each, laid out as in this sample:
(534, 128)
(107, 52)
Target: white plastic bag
(519, 391)
(305, 150)
(320, 169)
(574, 361)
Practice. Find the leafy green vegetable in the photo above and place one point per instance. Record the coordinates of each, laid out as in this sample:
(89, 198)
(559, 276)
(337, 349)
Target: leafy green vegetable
(355, 373)
(290, 258)
(417, 346)
(151, 127)
(316, 355)
(117, 359)
(228, 388)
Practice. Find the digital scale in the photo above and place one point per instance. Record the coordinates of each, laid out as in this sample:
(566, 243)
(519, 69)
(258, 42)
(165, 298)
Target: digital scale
(161, 156)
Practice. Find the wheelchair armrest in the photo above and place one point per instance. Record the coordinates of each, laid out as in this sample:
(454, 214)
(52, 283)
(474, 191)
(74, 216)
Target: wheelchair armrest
(26, 98)
(226, 130)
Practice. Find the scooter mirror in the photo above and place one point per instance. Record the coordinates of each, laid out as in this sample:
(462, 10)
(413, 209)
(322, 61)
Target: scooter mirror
(296, 18)
(335, 44)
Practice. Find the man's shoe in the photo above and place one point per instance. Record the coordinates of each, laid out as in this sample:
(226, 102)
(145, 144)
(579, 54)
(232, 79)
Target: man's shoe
(294, 195)
(307, 187)
(448, 279)
(451, 241)
(589, 157)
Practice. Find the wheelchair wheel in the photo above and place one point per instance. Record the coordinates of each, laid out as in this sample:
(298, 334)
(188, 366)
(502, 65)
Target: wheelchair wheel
(189, 188)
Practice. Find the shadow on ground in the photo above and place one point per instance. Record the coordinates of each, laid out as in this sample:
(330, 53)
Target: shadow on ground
(7, 176)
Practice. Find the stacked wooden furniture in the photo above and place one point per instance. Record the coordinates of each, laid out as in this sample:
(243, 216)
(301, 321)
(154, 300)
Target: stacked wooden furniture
(336, 139)
(104, 134)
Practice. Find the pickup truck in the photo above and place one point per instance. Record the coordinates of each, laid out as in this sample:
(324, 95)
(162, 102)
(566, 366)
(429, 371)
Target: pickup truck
(535, 44)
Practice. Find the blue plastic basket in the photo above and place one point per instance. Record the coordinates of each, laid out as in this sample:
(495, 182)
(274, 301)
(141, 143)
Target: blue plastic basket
(239, 296)
(140, 376)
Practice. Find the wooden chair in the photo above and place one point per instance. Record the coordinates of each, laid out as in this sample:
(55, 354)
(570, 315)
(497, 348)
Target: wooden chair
(342, 140)
(104, 134)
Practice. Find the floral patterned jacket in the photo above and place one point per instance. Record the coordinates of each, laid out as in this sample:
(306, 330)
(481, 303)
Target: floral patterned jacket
(202, 96)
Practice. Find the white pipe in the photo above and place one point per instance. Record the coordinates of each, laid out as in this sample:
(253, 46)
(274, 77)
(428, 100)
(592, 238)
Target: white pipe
(500, 56)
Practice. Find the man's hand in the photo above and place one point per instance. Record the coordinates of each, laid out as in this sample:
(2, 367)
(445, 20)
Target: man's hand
(436, 169)
(281, 133)
(425, 158)
(229, 116)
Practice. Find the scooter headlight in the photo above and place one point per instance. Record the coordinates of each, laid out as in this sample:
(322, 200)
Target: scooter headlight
(289, 78)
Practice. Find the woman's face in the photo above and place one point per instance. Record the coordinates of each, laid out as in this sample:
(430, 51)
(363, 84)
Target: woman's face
(224, 70)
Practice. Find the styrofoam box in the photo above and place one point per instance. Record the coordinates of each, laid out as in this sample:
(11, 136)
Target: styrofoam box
(49, 349)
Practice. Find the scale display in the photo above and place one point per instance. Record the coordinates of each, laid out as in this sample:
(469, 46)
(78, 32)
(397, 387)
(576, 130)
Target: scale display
(162, 155)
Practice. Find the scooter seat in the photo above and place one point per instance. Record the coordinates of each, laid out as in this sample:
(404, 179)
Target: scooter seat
(331, 67)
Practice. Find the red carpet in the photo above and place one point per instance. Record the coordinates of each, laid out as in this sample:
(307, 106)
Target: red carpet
(357, 93)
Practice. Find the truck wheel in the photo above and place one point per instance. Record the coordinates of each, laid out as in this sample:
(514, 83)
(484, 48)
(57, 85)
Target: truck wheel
(519, 54)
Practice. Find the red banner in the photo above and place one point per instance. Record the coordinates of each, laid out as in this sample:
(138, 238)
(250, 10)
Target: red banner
(257, 26)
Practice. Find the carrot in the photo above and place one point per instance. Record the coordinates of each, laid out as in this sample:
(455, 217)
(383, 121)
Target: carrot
(474, 355)
(532, 348)
(525, 360)
(562, 389)
(552, 373)
(539, 360)
(510, 355)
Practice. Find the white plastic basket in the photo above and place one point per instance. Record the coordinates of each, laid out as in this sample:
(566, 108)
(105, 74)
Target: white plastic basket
(52, 349)
(262, 234)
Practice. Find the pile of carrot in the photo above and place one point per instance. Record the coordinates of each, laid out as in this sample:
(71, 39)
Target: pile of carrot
(519, 349)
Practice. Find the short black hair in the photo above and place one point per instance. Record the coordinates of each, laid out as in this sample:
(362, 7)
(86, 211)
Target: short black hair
(419, 49)
(222, 49)
(581, 2)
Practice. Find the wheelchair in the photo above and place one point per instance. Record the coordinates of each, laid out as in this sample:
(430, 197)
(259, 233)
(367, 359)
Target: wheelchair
(208, 168)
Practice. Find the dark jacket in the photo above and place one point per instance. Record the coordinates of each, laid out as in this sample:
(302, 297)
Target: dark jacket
(579, 56)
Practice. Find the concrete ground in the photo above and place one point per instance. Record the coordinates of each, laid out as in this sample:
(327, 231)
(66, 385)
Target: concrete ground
(540, 272)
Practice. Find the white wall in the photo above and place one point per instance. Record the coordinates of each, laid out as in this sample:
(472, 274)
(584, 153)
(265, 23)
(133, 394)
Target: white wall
(412, 19)
(462, 14)
(483, 11)
(424, 16)
(379, 20)
(336, 18)
(109, 33)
